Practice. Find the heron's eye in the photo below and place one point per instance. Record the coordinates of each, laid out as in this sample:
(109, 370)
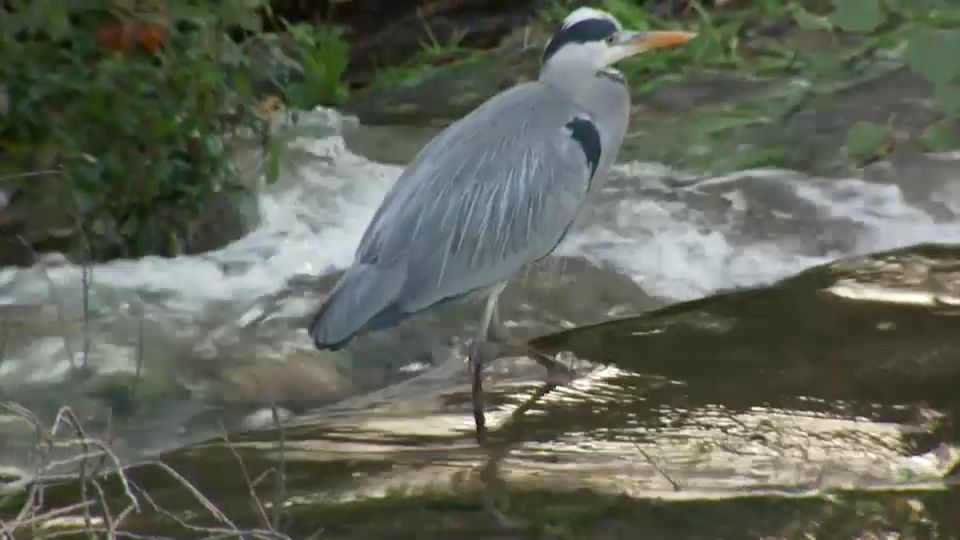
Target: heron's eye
(611, 40)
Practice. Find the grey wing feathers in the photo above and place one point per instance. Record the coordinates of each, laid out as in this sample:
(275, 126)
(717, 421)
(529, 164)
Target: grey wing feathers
(361, 300)
(495, 191)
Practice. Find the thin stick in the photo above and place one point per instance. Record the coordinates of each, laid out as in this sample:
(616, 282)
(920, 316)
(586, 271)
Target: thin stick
(54, 296)
(653, 463)
(31, 174)
(66, 413)
(85, 277)
(203, 500)
(280, 480)
(251, 486)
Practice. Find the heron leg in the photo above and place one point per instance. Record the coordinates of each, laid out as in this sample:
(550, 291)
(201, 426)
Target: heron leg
(482, 351)
(497, 332)
(492, 343)
(557, 372)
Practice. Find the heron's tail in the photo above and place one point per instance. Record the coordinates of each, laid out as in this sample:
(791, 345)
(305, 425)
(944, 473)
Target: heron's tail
(364, 299)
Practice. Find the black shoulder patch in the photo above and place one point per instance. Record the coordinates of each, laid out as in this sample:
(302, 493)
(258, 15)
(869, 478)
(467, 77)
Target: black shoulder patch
(585, 133)
(583, 31)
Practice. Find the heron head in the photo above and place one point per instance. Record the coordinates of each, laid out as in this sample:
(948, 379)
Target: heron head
(596, 38)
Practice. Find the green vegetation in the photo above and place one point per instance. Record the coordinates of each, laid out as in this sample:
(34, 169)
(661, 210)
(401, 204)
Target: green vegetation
(125, 140)
(129, 120)
(323, 55)
(817, 85)
(847, 42)
(433, 52)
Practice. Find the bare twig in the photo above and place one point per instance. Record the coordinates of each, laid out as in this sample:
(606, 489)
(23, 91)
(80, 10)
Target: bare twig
(653, 463)
(3, 339)
(67, 414)
(85, 276)
(271, 522)
(139, 368)
(280, 480)
(30, 174)
(251, 486)
(46, 516)
(229, 530)
(54, 296)
(66, 433)
(203, 500)
(95, 499)
(29, 514)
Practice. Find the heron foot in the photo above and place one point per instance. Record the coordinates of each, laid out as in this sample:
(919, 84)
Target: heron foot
(558, 373)
(486, 351)
(481, 352)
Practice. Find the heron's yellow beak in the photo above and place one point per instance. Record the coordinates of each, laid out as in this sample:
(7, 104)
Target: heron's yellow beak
(632, 43)
(648, 41)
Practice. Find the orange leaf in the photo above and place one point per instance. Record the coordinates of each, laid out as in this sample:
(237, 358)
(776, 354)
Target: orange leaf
(151, 36)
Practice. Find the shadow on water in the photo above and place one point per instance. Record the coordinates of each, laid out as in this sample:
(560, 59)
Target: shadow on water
(823, 406)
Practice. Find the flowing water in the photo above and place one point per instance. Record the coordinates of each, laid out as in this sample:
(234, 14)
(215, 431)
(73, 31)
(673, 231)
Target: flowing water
(213, 337)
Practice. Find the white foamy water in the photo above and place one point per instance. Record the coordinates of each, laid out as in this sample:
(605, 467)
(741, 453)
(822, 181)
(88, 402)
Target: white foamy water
(685, 239)
(679, 238)
(309, 229)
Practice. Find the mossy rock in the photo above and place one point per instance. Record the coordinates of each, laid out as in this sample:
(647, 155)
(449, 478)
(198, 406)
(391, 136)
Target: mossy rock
(41, 218)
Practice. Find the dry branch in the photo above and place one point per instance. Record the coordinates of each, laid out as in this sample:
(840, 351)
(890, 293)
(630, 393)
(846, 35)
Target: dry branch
(35, 520)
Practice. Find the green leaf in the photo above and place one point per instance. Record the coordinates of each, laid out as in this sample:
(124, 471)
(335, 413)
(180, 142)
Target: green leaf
(809, 21)
(933, 54)
(130, 227)
(939, 136)
(58, 22)
(241, 81)
(275, 150)
(298, 95)
(866, 140)
(632, 15)
(210, 75)
(947, 96)
(245, 17)
(212, 145)
(863, 16)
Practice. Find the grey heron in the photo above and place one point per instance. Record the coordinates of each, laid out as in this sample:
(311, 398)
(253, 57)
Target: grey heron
(495, 191)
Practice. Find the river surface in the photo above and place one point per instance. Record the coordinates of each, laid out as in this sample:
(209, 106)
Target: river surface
(214, 338)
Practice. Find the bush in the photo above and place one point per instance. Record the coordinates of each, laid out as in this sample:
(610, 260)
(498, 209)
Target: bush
(132, 117)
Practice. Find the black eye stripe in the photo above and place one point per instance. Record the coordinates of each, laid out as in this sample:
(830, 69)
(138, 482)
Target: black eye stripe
(580, 32)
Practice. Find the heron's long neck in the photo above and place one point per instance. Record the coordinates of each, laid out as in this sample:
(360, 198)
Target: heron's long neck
(568, 77)
(605, 95)
(607, 98)
(595, 91)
